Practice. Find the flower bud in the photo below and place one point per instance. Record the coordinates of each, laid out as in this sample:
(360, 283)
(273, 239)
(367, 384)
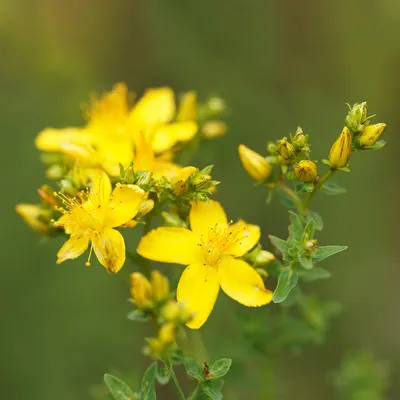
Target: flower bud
(255, 164)
(143, 178)
(179, 186)
(306, 171)
(159, 286)
(145, 207)
(213, 129)
(341, 149)
(176, 312)
(215, 105)
(271, 147)
(264, 257)
(166, 333)
(299, 140)
(141, 290)
(371, 134)
(201, 181)
(357, 116)
(285, 150)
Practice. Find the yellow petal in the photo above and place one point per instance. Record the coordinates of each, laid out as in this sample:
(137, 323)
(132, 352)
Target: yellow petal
(242, 283)
(204, 215)
(124, 204)
(101, 187)
(166, 136)
(170, 245)
(198, 289)
(51, 139)
(109, 247)
(31, 214)
(165, 168)
(144, 154)
(155, 107)
(73, 247)
(187, 107)
(248, 237)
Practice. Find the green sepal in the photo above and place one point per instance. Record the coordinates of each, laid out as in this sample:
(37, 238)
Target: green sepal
(314, 274)
(193, 369)
(219, 368)
(148, 390)
(118, 388)
(323, 252)
(378, 145)
(287, 280)
(138, 316)
(332, 188)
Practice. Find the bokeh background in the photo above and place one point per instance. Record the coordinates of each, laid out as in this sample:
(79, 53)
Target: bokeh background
(278, 64)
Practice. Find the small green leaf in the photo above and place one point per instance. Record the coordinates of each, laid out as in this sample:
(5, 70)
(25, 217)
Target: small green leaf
(280, 244)
(319, 224)
(314, 274)
(306, 262)
(326, 251)
(119, 389)
(219, 368)
(138, 315)
(332, 188)
(148, 390)
(309, 231)
(212, 392)
(286, 282)
(296, 227)
(193, 369)
(286, 200)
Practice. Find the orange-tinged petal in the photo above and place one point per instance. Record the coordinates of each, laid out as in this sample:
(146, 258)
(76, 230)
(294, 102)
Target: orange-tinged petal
(101, 188)
(166, 136)
(170, 245)
(242, 283)
(124, 204)
(248, 237)
(204, 215)
(73, 247)
(198, 289)
(109, 247)
(156, 106)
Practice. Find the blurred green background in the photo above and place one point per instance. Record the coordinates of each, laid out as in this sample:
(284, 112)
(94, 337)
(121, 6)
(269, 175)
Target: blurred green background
(278, 64)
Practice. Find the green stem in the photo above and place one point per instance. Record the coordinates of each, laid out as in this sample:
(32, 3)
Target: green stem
(292, 194)
(176, 384)
(318, 186)
(195, 393)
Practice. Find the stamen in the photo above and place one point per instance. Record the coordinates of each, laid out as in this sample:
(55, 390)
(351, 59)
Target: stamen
(90, 255)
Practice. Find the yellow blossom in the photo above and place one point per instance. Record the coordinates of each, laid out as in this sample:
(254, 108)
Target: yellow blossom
(211, 250)
(90, 218)
(341, 149)
(255, 164)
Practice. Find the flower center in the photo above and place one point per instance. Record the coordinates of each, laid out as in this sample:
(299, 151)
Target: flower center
(219, 240)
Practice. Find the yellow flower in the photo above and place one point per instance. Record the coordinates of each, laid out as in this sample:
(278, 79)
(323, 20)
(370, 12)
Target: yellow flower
(32, 215)
(91, 217)
(209, 249)
(255, 164)
(341, 149)
(306, 171)
(371, 134)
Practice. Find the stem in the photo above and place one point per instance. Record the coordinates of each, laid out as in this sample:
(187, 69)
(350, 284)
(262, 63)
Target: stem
(195, 393)
(176, 384)
(309, 195)
(292, 194)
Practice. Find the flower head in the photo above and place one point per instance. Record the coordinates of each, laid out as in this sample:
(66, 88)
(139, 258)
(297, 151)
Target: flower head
(210, 249)
(90, 218)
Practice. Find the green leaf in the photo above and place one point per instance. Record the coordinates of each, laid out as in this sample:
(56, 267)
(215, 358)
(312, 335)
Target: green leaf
(332, 188)
(193, 369)
(219, 368)
(286, 282)
(280, 244)
(119, 389)
(295, 227)
(309, 231)
(306, 262)
(212, 392)
(326, 251)
(148, 383)
(138, 315)
(314, 274)
(319, 224)
(286, 200)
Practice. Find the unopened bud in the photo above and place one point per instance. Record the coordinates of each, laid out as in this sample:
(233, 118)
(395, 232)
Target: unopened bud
(213, 129)
(271, 147)
(341, 149)
(262, 272)
(145, 207)
(176, 312)
(179, 187)
(216, 105)
(159, 286)
(143, 178)
(371, 134)
(166, 333)
(306, 171)
(299, 140)
(201, 181)
(357, 116)
(255, 164)
(141, 291)
(285, 150)
(264, 257)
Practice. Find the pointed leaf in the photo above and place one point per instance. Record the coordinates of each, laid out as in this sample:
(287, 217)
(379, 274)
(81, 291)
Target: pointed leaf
(306, 262)
(326, 251)
(212, 392)
(319, 224)
(309, 230)
(119, 389)
(314, 274)
(148, 383)
(295, 227)
(138, 315)
(332, 188)
(219, 368)
(286, 282)
(193, 369)
(280, 244)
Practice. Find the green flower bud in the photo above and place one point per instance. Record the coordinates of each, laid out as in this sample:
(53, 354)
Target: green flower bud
(371, 134)
(306, 171)
(357, 116)
(285, 150)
